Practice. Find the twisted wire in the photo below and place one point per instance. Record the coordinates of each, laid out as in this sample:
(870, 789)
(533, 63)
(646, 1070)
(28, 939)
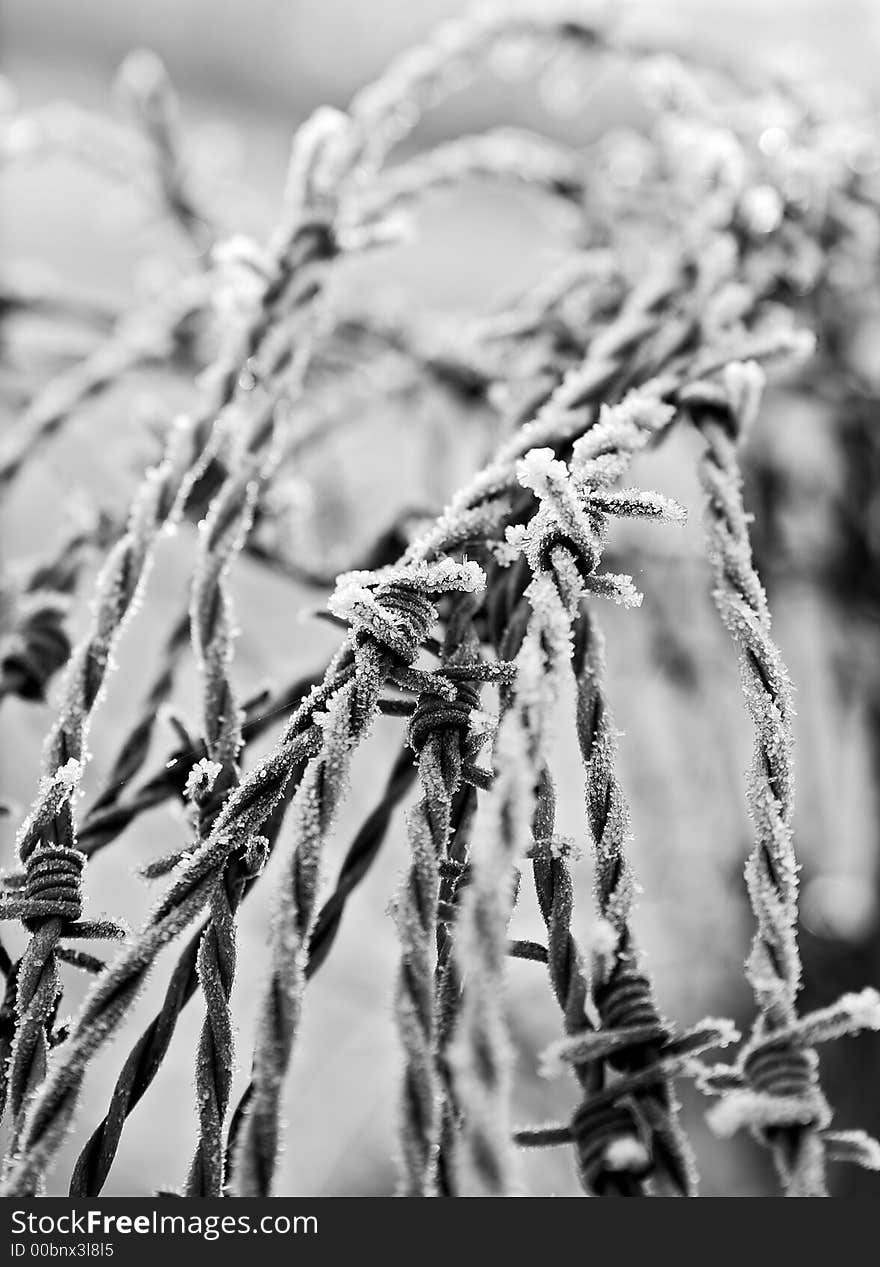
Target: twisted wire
(150, 333)
(480, 1053)
(241, 816)
(610, 1131)
(211, 619)
(145, 80)
(50, 823)
(259, 1178)
(446, 743)
(211, 633)
(385, 112)
(537, 658)
(503, 153)
(656, 337)
(359, 858)
(611, 1145)
(225, 533)
(774, 963)
(438, 734)
(416, 918)
(610, 365)
(786, 1108)
(183, 892)
(550, 870)
(109, 815)
(112, 149)
(289, 283)
(449, 990)
(95, 828)
(52, 901)
(622, 992)
(608, 452)
(388, 629)
(278, 1021)
(470, 1032)
(145, 1058)
(563, 544)
(158, 502)
(48, 898)
(554, 891)
(244, 812)
(213, 846)
(7, 1026)
(378, 119)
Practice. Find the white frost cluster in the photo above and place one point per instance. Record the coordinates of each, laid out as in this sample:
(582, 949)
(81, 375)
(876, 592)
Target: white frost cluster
(202, 778)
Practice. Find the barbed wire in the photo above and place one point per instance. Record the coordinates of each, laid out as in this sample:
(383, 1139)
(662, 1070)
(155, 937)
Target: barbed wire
(604, 383)
(775, 1087)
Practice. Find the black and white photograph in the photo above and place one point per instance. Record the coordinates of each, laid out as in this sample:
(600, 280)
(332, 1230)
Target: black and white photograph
(439, 613)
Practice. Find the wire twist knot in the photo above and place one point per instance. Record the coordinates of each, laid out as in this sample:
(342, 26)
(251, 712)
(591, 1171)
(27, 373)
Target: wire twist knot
(774, 1086)
(395, 610)
(435, 714)
(609, 1142)
(784, 1071)
(53, 885)
(628, 1010)
(293, 281)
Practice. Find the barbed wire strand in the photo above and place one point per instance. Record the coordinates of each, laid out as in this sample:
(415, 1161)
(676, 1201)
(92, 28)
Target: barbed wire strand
(50, 824)
(480, 1053)
(356, 864)
(198, 869)
(149, 334)
(775, 1090)
(201, 858)
(145, 1059)
(390, 627)
(158, 505)
(563, 545)
(211, 617)
(440, 734)
(144, 81)
(296, 244)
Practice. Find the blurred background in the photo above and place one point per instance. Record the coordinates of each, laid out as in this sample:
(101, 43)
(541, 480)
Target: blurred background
(247, 72)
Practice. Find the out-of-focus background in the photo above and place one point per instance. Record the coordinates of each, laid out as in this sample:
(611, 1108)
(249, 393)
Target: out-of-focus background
(248, 71)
